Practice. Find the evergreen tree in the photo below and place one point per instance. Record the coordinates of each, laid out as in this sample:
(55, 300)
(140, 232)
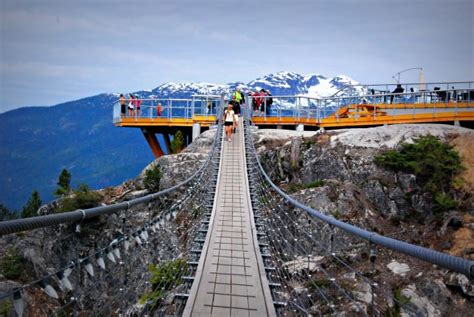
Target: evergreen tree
(6, 214)
(152, 178)
(32, 205)
(178, 142)
(64, 183)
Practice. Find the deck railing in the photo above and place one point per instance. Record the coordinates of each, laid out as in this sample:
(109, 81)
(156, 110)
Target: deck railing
(435, 98)
(169, 108)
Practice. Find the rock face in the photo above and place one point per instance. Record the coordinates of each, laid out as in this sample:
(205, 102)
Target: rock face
(334, 172)
(345, 158)
(176, 168)
(117, 288)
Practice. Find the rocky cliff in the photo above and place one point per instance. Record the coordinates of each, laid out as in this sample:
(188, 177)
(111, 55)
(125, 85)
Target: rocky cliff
(31, 255)
(335, 172)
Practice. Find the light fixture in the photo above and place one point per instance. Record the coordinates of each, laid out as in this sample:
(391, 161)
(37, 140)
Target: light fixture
(88, 267)
(48, 289)
(64, 281)
(116, 251)
(397, 75)
(100, 261)
(137, 239)
(145, 233)
(142, 234)
(126, 244)
(18, 303)
(110, 255)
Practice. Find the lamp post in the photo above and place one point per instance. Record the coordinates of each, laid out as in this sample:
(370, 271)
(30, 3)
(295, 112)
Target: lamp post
(397, 75)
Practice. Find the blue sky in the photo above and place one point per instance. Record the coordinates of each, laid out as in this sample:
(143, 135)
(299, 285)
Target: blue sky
(56, 51)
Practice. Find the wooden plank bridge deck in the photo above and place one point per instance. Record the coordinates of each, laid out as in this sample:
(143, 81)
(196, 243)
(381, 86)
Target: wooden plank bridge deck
(230, 279)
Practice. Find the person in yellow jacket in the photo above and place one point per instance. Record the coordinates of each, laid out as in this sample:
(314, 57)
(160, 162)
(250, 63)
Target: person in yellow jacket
(239, 99)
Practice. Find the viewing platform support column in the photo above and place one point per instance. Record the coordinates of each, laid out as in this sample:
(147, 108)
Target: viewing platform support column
(153, 142)
(196, 130)
(166, 137)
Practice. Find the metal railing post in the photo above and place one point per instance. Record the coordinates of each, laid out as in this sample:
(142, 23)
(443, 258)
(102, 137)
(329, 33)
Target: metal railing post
(265, 108)
(297, 113)
(169, 109)
(318, 110)
(151, 109)
(221, 107)
(249, 107)
(309, 107)
(279, 112)
(469, 94)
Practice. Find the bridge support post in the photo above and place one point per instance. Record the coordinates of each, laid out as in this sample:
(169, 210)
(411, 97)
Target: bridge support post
(166, 138)
(153, 142)
(457, 123)
(300, 128)
(196, 130)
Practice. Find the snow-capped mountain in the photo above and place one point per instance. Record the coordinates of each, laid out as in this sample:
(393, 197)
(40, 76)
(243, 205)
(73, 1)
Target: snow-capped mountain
(288, 83)
(281, 83)
(106, 155)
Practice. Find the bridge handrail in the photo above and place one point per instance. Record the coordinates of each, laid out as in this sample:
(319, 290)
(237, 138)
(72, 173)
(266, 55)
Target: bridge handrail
(361, 95)
(308, 97)
(415, 93)
(414, 83)
(444, 260)
(26, 224)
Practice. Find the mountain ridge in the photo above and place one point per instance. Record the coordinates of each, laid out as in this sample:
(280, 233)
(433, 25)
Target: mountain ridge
(38, 142)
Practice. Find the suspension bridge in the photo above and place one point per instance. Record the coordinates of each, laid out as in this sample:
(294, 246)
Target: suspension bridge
(226, 241)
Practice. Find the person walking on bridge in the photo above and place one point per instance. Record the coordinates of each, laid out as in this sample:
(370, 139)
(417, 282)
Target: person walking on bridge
(235, 104)
(238, 96)
(229, 122)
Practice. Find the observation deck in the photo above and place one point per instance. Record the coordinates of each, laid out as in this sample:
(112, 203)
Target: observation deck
(367, 105)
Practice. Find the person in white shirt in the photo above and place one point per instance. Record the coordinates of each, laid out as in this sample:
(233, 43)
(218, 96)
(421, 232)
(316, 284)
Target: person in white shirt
(229, 122)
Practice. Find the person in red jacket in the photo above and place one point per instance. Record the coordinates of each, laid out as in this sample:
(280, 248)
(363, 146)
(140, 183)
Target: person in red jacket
(159, 108)
(256, 101)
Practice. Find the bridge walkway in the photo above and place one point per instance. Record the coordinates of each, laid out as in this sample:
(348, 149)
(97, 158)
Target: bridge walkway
(230, 278)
